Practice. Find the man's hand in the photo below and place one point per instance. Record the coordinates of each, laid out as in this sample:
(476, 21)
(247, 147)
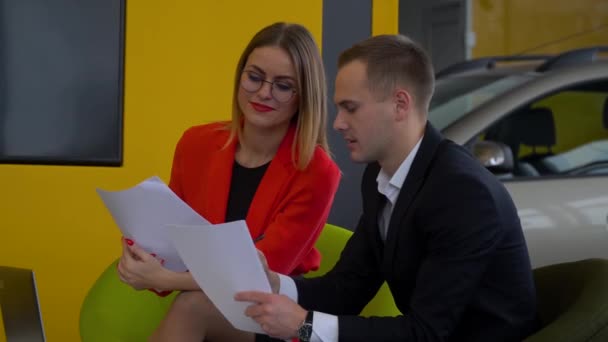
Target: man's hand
(139, 269)
(273, 277)
(278, 315)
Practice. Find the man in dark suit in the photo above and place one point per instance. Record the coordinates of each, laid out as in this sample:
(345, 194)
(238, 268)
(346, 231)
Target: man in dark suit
(436, 226)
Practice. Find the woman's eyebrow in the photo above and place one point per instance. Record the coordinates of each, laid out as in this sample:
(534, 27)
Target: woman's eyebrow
(257, 68)
(261, 71)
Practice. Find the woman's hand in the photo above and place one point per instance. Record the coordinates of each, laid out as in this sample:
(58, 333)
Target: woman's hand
(141, 270)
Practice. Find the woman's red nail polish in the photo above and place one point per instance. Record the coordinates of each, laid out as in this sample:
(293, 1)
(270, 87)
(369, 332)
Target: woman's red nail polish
(153, 254)
(129, 242)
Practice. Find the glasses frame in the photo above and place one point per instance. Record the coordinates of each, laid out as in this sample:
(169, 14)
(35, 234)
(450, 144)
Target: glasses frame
(263, 80)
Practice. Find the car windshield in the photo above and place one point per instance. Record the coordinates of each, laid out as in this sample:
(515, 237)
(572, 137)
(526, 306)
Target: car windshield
(456, 96)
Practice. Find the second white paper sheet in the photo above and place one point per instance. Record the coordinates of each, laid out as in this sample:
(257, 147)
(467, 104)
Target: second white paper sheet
(223, 260)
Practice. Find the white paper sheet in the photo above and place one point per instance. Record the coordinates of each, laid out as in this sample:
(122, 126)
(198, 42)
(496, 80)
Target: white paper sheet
(223, 260)
(141, 213)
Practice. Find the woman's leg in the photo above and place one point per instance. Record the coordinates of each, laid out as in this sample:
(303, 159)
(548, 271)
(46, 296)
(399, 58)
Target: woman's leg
(193, 317)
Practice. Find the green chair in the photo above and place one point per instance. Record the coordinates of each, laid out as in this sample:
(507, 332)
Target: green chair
(330, 244)
(114, 312)
(572, 301)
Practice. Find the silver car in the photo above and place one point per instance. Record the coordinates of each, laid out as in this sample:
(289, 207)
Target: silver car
(541, 125)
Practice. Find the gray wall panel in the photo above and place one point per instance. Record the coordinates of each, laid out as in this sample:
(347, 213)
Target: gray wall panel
(345, 22)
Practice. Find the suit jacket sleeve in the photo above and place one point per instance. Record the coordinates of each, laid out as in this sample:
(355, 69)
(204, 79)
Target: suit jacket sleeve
(461, 227)
(291, 234)
(350, 285)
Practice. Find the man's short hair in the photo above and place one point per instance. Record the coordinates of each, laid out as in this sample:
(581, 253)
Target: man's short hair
(394, 60)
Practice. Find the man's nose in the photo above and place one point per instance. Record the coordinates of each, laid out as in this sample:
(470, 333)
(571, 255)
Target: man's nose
(339, 124)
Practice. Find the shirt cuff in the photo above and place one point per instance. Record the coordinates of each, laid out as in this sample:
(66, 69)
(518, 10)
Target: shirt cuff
(324, 328)
(288, 287)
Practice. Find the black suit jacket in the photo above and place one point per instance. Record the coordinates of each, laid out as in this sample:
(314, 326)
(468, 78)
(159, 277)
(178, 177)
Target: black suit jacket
(455, 258)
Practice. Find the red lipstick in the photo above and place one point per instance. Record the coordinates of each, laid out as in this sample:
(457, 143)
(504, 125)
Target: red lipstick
(260, 107)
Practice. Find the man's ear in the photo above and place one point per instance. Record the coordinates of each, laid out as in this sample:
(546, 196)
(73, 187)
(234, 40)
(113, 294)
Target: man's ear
(403, 103)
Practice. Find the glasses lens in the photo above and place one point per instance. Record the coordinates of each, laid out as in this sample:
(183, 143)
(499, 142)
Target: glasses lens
(251, 82)
(282, 92)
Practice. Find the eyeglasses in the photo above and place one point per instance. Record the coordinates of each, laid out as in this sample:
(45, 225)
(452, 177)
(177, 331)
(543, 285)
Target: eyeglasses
(280, 90)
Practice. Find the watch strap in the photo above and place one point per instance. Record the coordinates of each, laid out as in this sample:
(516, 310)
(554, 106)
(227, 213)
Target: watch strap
(305, 329)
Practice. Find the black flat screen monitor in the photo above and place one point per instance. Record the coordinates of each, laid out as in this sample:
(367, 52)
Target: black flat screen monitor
(61, 81)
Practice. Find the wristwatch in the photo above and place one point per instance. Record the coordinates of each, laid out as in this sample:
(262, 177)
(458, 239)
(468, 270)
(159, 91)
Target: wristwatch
(305, 330)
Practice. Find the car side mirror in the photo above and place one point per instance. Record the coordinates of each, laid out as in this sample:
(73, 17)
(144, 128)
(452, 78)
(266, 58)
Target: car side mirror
(495, 156)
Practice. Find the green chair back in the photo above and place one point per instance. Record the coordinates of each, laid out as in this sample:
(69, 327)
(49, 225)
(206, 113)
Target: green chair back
(573, 301)
(331, 242)
(114, 312)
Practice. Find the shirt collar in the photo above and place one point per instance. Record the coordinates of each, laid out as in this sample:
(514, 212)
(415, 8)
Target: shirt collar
(390, 187)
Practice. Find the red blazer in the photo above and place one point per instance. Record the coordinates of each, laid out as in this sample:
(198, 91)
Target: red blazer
(290, 207)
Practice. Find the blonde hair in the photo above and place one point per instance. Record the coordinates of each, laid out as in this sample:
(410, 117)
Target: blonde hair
(311, 117)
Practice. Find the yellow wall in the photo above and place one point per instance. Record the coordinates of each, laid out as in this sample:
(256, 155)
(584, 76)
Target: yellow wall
(513, 26)
(180, 57)
(385, 17)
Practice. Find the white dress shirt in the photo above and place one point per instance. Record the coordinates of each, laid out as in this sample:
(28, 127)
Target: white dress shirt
(325, 326)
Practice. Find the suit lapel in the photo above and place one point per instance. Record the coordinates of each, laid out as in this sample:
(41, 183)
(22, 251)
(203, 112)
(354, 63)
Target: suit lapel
(373, 202)
(279, 172)
(220, 171)
(412, 184)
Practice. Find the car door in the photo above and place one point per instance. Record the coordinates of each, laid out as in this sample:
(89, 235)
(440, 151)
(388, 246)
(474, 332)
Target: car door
(559, 182)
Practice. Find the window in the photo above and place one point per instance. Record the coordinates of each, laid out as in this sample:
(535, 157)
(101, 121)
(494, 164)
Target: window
(565, 133)
(456, 97)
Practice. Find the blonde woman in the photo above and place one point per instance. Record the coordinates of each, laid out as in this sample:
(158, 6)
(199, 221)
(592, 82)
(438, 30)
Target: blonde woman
(269, 165)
